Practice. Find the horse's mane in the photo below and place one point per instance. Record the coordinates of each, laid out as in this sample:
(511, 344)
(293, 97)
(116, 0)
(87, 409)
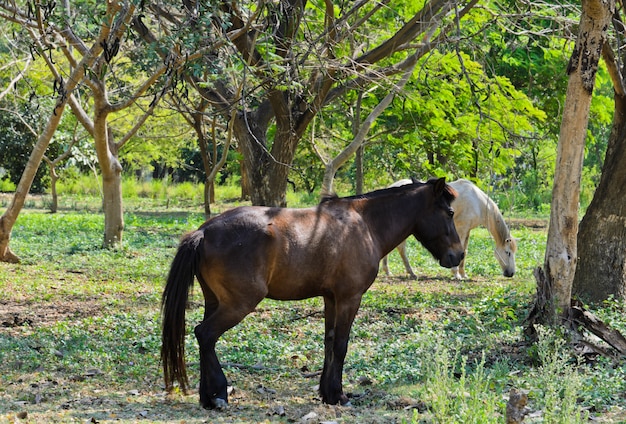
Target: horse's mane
(377, 193)
(450, 193)
(496, 221)
(329, 197)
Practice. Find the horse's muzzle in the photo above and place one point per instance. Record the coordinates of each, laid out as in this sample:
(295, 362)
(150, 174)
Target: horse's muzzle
(451, 259)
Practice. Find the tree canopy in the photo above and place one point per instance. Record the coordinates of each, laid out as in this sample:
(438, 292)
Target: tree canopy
(483, 103)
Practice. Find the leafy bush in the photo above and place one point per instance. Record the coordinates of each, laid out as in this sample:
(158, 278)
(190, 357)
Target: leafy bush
(6, 185)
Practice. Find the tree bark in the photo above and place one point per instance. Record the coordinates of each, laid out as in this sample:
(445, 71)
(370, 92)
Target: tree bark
(54, 177)
(358, 157)
(561, 250)
(107, 148)
(212, 163)
(197, 118)
(17, 203)
(601, 270)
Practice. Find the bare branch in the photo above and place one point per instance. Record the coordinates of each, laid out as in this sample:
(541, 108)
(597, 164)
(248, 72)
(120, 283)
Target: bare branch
(14, 81)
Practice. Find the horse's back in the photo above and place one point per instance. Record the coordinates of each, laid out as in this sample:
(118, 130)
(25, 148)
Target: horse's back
(290, 253)
(319, 249)
(244, 227)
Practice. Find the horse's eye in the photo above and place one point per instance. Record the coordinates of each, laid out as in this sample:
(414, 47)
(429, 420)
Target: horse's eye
(450, 213)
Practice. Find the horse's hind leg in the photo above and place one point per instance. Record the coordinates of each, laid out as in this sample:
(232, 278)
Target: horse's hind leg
(385, 266)
(213, 383)
(217, 319)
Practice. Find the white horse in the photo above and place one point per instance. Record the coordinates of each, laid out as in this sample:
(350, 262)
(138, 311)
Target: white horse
(472, 208)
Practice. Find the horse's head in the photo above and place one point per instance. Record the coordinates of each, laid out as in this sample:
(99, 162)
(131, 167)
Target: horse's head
(505, 255)
(435, 230)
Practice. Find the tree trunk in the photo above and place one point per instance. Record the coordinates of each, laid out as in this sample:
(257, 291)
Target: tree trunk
(561, 250)
(245, 180)
(207, 160)
(54, 177)
(212, 163)
(601, 270)
(358, 174)
(17, 203)
(267, 170)
(111, 170)
(54, 203)
(358, 158)
(112, 204)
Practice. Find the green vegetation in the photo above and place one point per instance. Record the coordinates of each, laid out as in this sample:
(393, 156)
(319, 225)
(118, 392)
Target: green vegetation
(79, 334)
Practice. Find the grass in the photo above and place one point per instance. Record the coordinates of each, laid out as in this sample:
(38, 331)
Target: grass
(79, 337)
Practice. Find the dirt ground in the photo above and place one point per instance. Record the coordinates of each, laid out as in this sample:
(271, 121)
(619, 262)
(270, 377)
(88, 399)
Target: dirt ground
(258, 394)
(16, 314)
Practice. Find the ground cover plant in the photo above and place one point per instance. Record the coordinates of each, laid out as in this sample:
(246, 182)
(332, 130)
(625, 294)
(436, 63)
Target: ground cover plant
(80, 339)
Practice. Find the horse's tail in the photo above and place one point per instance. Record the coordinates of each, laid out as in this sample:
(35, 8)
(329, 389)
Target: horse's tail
(173, 303)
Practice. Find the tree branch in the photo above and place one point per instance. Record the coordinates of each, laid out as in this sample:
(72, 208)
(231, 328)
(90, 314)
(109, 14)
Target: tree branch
(14, 81)
(613, 70)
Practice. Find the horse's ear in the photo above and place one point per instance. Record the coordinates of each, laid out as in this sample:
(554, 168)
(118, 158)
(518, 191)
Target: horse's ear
(440, 186)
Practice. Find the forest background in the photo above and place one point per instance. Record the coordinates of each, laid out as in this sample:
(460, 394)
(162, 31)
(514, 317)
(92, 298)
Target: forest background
(483, 103)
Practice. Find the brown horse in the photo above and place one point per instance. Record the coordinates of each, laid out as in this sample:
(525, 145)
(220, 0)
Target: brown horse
(331, 250)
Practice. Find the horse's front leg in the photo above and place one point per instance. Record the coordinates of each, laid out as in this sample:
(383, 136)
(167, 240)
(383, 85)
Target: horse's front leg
(329, 341)
(405, 259)
(459, 271)
(339, 316)
(385, 265)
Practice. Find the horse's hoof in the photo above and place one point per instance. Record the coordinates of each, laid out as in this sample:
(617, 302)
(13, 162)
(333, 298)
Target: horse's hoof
(215, 403)
(219, 403)
(344, 401)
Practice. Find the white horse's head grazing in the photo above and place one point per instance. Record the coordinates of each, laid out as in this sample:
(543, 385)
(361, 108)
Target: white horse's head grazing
(473, 208)
(505, 254)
